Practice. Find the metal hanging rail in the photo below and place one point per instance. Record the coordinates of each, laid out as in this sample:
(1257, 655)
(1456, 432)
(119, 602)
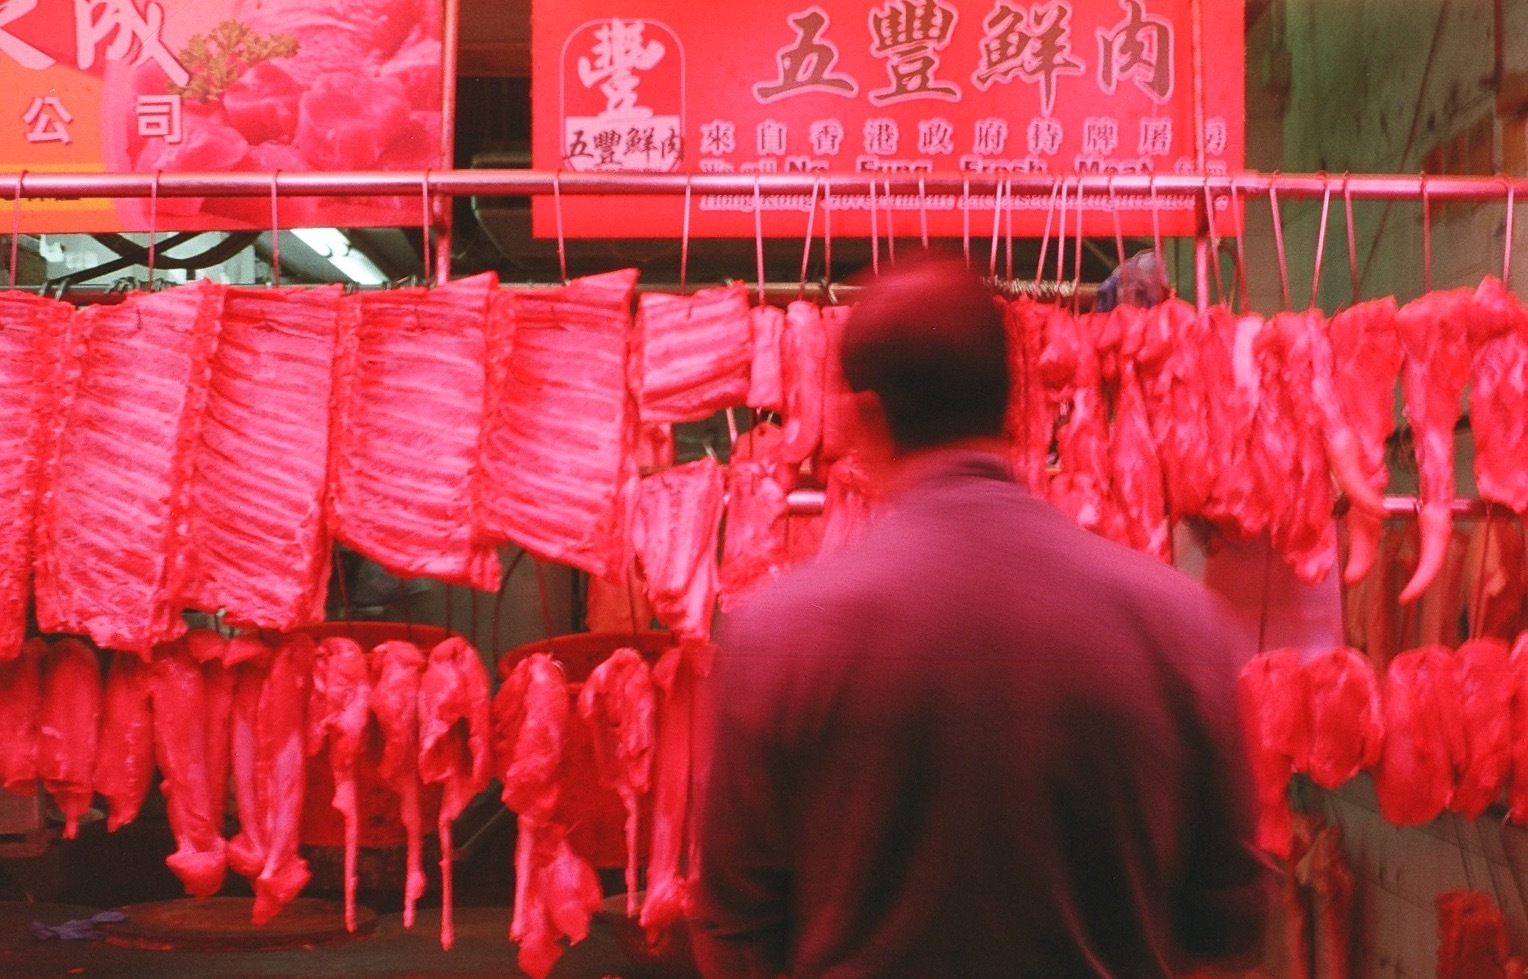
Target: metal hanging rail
(22, 185)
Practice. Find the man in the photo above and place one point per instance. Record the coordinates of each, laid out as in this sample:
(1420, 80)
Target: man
(979, 741)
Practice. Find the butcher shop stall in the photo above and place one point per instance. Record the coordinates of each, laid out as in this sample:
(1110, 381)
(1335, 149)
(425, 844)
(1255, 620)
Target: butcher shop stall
(376, 464)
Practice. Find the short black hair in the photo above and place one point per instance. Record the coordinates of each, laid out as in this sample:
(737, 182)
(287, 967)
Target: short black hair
(928, 340)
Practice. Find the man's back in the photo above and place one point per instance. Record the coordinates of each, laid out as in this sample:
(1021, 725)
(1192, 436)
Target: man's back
(974, 744)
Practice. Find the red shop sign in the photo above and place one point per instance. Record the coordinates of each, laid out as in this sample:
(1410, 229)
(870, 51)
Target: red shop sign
(124, 86)
(893, 88)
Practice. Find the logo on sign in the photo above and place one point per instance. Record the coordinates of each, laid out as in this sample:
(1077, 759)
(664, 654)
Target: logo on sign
(623, 107)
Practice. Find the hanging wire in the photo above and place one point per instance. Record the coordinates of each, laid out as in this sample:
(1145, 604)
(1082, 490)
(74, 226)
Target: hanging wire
(153, 223)
(1050, 215)
(546, 607)
(275, 236)
(1426, 236)
(562, 245)
(875, 235)
(1241, 244)
(758, 234)
(1061, 239)
(1347, 206)
(1506, 251)
(923, 214)
(1156, 224)
(1077, 265)
(1278, 243)
(997, 216)
(425, 222)
(1119, 236)
(684, 239)
(16, 226)
(806, 248)
(827, 233)
(965, 219)
(1008, 235)
(1209, 222)
(891, 233)
(1315, 273)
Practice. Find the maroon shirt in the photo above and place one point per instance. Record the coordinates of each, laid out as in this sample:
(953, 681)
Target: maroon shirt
(979, 742)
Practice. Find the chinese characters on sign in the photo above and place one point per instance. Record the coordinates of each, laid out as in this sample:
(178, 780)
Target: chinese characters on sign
(883, 87)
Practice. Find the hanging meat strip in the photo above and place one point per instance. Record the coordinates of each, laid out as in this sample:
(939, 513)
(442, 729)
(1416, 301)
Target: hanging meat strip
(110, 531)
(258, 547)
(848, 503)
(1237, 506)
(1366, 365)
(1499, 395)
(804, 357)
(1347, 727)
(124, 762)
(181, 750)
(410, 400)
(337, 719)
(1472, 938)
(1274, 706)
(218, 657)
(674, 533)
(668, 895)
(20, 702)
(1435, 341)
(556, 892)
(455, 749)
(755, 542)
(766, 384)
(557, 456)
(1136, 484)
(618, 704)
(1181, 392)
(1030, 420)
(32, 399)
(837, 399)
(1485, 716)
(1081, 488)
(68, 724)
(396, 669)
(692, 353)
(1424, 738)
(266, 847)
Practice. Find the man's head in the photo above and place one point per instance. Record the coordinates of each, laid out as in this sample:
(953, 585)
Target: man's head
(927, 340)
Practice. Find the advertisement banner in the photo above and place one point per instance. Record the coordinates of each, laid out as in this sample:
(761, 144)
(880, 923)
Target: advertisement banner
(893, 88)
(120, 86)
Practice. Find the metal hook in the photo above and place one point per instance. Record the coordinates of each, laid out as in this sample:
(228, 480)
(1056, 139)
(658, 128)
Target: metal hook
(684, 238)
(806, 249)
(1209, 223)
(1278, 240)
(997, 217)
(426, 220)
(562, 245)
(1347, 206)
(275, 236)
(922, 212)
(1506, 252)
(1050, 216)
(875, 235)
(16, 226)
(1119, 236)
(153, 223)
(827, 233)
(758, 233)
(1426, 236)
(891, 228)
(1315, 274)
(1241, 243)
(1077, 266)
(965, 219)
(1061, 240)
(1156, 224)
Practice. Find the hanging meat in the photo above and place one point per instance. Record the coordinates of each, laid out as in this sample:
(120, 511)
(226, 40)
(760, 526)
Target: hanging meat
(692, 354)
(258, 548)
(618, 604)
(124, 762)
(338, 715)
(766, 384)
(455, 746)
(1183, 385)
(837, 399)
(618, 704)
(1274, 705)
(674, 533)
(31, 354)
(218, 657)
(1485, 717)
(755, 542)
(409, 396)
(1437, 366)
(667, 901)
(1030, 420)
(1347, 727)
(181, 751)
(1472, 938)
(110, 538)
(396, 668)
(848, 503)
(557, 458)
(1424, 740)
(803, 368)
(1081, 488)
(1499, 395)
(1366, 365)
(1237, 506)
(1288, 447)
(1517, 788)
(1136, 483)
(556, 892)
(20, 702)
(271, 815)
(68, 724)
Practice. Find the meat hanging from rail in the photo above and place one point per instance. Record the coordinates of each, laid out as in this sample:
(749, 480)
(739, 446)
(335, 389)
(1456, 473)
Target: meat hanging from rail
(1347, 727)
(1485, 717)
(20, 702)
(124, 762)
(181, 750)
(1271, 697)
(397, 666)
(1424, 740)
(338, 717)
(1499, 395)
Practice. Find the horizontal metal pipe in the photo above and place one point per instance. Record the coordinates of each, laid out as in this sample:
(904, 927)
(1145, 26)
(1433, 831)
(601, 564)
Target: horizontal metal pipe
(512, 183)
(809, 502)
